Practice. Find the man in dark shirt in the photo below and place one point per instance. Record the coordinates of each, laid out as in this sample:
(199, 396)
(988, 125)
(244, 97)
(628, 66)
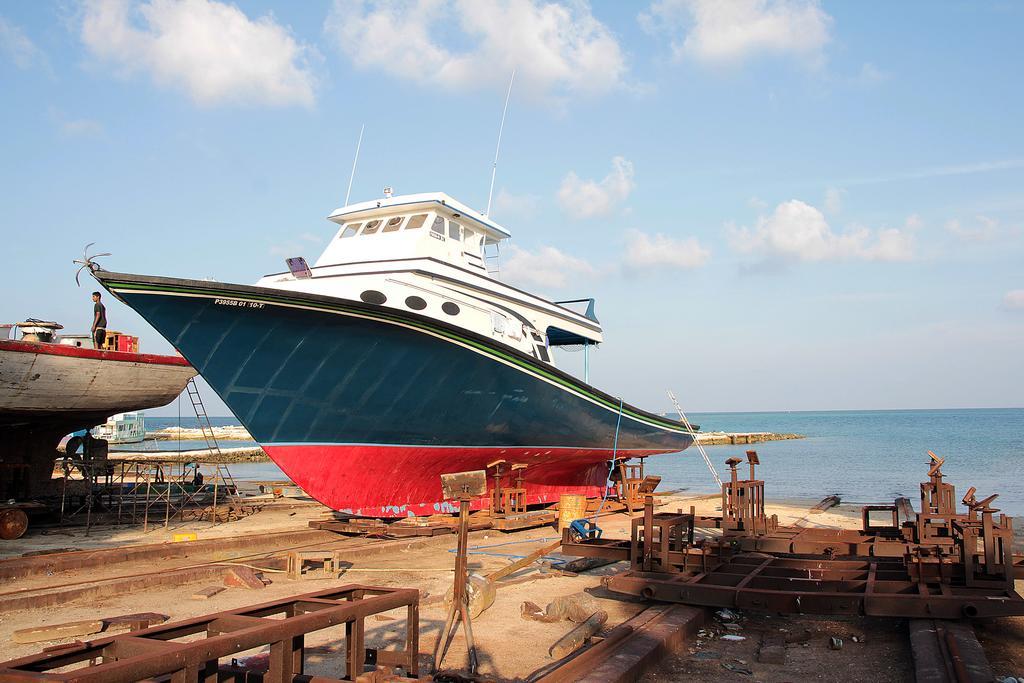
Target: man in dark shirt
(99, 322)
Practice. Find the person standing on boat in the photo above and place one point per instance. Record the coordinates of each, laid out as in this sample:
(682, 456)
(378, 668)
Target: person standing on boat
(99, 322)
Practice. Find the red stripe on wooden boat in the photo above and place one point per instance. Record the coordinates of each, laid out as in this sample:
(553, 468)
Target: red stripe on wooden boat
(83, 352)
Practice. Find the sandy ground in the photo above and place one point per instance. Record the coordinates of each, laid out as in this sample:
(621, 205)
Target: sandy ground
(280, 515)
(509, 646)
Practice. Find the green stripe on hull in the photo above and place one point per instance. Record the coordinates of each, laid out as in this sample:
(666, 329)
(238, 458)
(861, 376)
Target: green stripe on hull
(116, 285)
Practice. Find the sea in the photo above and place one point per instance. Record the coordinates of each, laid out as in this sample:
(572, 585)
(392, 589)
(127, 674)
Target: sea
(863, 456)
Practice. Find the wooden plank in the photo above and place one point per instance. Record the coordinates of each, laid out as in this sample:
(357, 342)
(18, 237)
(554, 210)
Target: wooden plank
(207, 593)
(71, 629)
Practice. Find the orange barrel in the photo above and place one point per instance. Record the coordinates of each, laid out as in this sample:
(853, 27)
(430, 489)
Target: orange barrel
(571, 506)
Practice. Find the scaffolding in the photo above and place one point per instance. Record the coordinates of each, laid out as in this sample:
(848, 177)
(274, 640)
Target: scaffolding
(151, 491)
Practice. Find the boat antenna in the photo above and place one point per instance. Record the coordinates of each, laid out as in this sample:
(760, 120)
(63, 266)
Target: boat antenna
(497, 149)
(352, 176)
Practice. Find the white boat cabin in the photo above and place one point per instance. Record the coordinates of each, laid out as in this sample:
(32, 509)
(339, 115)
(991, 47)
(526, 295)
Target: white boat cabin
(423, 225)
(429, 253)
(122, 428)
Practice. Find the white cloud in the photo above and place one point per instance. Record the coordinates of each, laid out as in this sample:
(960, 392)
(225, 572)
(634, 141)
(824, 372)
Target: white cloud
(730, 31)
(940, 172)
(74, 127)
(834, 200)
(464, 44)
(1014, 300)
(982, 229)
(209, 49)
(644, 251)
(18, 47)
(548, 267)
(516, 204)
(798, 231)
(300, 246)
(870, 75)
(589, 198)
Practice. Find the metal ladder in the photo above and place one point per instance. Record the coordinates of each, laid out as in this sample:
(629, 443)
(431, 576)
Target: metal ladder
(492, 256)
(689, 428)
(221, 471)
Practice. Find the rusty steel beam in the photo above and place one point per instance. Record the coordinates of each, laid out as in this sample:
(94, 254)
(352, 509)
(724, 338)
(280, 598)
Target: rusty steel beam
(947, 652)
(153, 652)
(627, 650)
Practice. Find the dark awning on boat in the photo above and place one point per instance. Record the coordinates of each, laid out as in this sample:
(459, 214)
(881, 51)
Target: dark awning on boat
(560, 337)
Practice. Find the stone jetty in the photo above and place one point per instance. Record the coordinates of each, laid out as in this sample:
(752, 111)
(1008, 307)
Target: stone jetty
(737, 438)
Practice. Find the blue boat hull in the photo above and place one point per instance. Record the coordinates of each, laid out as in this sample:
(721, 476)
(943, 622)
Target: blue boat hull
(365, 406)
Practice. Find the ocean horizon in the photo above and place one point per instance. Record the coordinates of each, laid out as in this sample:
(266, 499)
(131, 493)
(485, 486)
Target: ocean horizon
(864, 456)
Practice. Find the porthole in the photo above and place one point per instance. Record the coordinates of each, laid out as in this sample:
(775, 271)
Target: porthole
(372, 296)
(415, 303)
(450, 308)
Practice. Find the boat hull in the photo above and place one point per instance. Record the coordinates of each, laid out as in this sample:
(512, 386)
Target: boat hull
(41, 381)
(49, 390)
(365, 406)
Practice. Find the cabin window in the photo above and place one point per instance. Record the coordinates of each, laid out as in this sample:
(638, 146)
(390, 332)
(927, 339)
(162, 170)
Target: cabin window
(438, 226)
(454, 230)
(416, 221)
(350, 229)
(371, 227)
(498, 322)
(393, 224)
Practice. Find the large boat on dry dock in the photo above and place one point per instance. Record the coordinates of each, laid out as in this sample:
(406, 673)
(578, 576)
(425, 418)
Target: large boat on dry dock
(396, 357)
(51, 386)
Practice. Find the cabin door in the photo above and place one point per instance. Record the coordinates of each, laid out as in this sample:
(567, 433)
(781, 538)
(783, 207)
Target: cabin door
(454, 240)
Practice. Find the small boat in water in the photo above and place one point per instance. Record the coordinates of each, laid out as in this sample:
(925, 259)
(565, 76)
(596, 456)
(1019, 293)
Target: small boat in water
(122, 428)
(396, 357)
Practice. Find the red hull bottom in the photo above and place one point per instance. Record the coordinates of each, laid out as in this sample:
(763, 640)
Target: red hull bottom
(405, 481)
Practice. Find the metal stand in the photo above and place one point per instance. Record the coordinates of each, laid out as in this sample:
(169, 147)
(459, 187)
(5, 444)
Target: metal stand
(463, 486)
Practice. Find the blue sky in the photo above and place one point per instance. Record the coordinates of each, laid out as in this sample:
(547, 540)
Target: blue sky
(778, 205)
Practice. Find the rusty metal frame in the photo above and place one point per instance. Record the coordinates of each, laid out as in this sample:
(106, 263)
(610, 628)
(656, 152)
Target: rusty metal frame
(876, 587)
(281, 624)
(942, 564)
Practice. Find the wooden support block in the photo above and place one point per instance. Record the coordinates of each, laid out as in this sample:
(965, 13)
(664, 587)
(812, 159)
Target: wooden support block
(243, 577)
(773, 649)
(134, 622)
(207, 593)
(574, 639)
(71, 629)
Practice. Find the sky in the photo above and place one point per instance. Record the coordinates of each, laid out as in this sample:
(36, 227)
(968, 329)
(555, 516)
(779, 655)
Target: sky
(778, 204)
